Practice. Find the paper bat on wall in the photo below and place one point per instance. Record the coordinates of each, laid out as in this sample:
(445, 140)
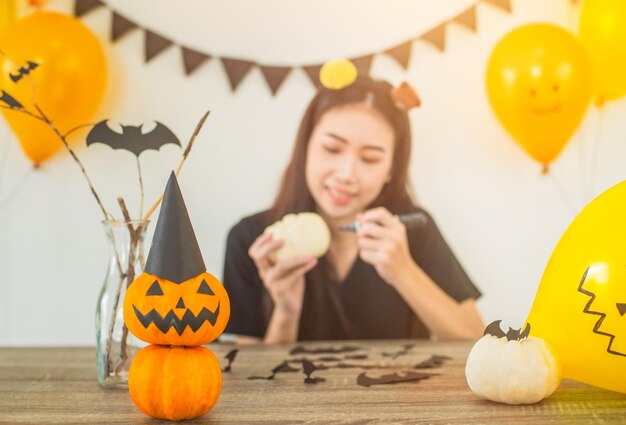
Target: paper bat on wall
(23, 71)
(131, 138)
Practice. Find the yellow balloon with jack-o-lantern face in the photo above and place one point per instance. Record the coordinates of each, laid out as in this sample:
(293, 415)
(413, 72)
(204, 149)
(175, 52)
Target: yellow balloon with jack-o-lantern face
(580, 307)
(539, 85)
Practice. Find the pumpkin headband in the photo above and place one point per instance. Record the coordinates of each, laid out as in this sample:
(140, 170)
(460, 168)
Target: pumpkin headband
(341, 73)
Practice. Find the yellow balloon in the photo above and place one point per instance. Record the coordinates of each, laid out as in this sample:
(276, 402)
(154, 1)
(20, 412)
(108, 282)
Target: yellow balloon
(580, 306)
(602, 30)
(68, 83)
(7, 14)
(539, 85)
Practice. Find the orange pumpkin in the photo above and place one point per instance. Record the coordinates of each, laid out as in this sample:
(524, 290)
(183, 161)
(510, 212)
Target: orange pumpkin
(193, 312)
(174, 383)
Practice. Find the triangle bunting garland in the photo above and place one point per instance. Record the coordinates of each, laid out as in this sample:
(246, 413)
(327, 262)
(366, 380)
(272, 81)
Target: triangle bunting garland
(401, 53)
(120, 26)
(82, 7)
(192, 59)
(275, 76)
(467, 19)
(436, 37)
(237, 69)
(501, 4)
(155, 44)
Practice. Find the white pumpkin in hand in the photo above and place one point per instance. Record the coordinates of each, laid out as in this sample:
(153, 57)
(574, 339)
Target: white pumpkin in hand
(512, 368)
(303, 234)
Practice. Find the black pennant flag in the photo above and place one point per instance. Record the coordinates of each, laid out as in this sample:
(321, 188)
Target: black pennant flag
(236, 70)
(120, 26)
(155, 44)
(275, 76)
(193, 59)
(82, 7)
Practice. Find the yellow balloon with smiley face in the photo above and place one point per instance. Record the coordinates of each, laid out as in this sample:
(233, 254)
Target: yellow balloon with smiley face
(580, 307)
(539, 85)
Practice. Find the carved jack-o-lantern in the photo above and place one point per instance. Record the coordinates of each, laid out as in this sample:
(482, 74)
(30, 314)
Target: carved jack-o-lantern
(193, 312)
(175, 301)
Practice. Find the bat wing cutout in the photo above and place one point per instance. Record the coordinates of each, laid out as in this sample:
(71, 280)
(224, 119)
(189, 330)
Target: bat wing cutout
(131, 138)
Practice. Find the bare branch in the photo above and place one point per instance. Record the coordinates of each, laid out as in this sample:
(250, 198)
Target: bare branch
(182, 160)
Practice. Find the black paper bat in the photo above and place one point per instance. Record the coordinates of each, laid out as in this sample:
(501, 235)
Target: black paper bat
(393, 378)
(308, 368)
(10, 101)
(330, 350)
(282, 367)
(330, 358)
(131, 138)
(230, 356)
(512, 335)
(23, 71)
(406, 348)
(434, 361)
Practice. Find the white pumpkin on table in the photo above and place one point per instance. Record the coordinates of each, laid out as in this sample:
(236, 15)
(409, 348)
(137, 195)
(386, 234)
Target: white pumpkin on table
(303, 234)
(512, 367)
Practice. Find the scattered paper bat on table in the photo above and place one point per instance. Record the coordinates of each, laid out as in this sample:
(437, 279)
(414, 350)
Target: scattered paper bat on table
(23, 71)
(435, 361)
(405, 349)
(392, 378)
(324, 350)
(131, 138)
(282, 367)
(308, 368)
(230, 356)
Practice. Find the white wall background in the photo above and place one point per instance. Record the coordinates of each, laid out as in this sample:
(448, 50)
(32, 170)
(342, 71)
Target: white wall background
(498, 213)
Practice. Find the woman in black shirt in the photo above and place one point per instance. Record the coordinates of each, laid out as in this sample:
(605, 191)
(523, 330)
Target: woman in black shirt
(350, 163)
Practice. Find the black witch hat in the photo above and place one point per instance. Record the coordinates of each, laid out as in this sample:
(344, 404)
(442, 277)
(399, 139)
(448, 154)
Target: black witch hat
(174, 252)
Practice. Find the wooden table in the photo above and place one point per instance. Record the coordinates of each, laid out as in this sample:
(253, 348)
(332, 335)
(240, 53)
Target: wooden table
(58, 385)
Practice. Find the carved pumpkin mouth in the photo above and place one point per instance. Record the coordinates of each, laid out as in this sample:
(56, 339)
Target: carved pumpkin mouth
(172, 321)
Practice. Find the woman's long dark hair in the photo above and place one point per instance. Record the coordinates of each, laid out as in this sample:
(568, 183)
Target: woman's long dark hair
(322, 298)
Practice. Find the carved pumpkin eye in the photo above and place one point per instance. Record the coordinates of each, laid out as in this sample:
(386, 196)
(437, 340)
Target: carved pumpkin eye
(205, 289)
(621, 308)
(155, 289)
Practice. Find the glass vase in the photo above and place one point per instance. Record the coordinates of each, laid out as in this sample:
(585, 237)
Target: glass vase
(115, 346)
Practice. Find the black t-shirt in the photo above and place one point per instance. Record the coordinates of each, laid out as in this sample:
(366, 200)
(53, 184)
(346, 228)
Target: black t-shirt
(363, 306)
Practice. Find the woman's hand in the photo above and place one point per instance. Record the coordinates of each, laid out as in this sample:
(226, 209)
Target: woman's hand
(284, 280)
(383, 243)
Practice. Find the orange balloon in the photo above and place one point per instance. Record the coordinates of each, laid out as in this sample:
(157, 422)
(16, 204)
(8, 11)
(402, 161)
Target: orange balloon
(68, 84)
(539, 85)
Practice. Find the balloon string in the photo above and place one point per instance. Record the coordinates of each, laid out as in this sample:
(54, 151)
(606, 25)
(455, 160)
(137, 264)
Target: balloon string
(573, 14)
(3, 162)
(582, 169)
(561, 190)
(595, 152)
(4, 156)
(17, 189)
(182, 161)
(140, 186)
